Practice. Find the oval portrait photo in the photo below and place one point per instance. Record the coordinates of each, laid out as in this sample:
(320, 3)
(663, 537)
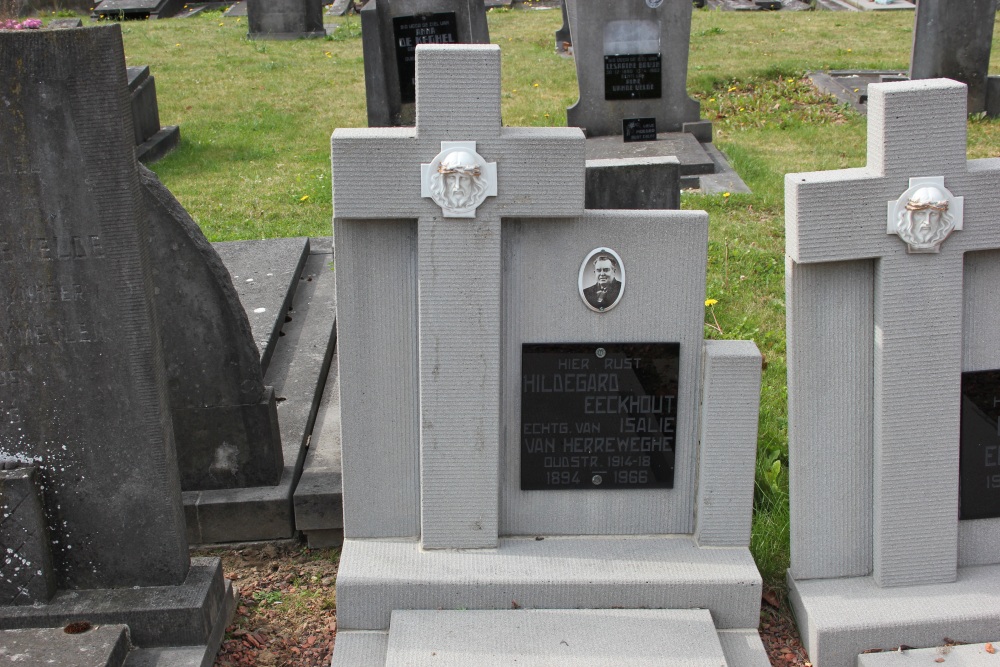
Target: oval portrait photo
(602, 280)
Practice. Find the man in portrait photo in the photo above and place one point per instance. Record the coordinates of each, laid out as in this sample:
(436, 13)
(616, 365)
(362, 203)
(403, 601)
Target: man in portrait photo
(604, 293)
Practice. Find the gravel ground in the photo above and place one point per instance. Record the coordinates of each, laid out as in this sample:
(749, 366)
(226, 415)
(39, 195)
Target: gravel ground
(286, 615)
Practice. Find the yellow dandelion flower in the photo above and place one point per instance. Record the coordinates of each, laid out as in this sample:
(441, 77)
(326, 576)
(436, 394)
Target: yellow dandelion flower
(304, 198)
(726, 194)
(711, 302)
(536, 85)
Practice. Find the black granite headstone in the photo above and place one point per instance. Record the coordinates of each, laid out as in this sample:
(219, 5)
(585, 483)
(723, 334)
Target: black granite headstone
(598, 416)
(391, 30)
(408, 32)
(638, 129)
(84, 394)
(225, 420)
(979, 459)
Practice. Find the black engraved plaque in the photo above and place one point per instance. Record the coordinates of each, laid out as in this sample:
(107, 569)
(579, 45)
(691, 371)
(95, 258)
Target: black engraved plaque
(632, 77)
(408, 31)
(979, 459)
(598, 416)
(638, 129)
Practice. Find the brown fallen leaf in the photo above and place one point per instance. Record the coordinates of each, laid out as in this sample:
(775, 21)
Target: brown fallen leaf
(989, 648)
(770, 598)
(938, 659)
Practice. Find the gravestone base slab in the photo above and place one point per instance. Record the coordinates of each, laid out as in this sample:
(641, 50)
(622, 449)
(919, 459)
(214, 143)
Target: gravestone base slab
(702, 166)
(101, 646)
(318, 499)
(652, 183)
(851, 86)
(870, 6)
(287, 290)
(287, 36)
(193, 614)
(969, 655)
(137, 9)
(841, 618)
(158, 145)
(239, 9)
(584, 637)
(377, 577)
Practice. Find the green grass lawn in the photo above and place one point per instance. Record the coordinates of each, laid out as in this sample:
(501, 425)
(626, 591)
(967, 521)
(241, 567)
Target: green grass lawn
(256, 119)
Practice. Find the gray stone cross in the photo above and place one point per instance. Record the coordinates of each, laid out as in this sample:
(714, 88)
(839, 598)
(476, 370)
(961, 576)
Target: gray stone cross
(889, 416)
(377, 177)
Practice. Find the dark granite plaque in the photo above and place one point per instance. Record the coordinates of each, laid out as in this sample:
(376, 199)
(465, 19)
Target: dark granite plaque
(408, 31)
(598, 416)
(632, 77)
(979, 460)
(639, 129)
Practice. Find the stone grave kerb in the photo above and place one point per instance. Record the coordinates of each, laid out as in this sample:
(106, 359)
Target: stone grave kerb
(537, 172)
(903, 417)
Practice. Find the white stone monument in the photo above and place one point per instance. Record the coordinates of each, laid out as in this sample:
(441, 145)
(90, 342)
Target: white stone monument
(891, 295)
(468, 540)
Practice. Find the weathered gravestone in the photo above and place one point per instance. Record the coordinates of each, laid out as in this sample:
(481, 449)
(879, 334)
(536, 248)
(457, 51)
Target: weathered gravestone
(521, 380)
(891, 289)
(631, 62)
(152, 141)
(392, 29)
(953, 40)
(225, 419)
(285, 19)
(83, 401)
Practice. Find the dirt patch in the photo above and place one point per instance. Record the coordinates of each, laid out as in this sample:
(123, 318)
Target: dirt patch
(286, 614)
